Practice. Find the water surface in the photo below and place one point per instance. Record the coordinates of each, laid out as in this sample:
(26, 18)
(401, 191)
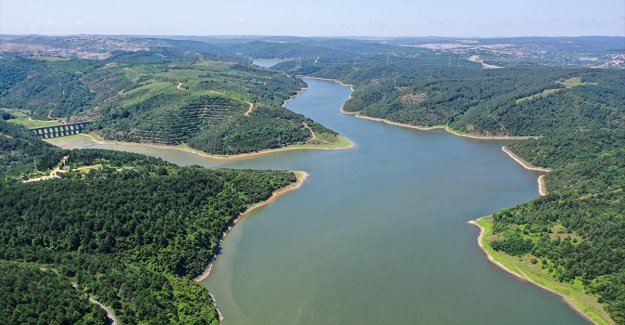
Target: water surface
(268, 63)
(379, 233)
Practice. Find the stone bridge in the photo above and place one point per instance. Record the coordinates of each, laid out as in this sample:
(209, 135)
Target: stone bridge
(48, 132)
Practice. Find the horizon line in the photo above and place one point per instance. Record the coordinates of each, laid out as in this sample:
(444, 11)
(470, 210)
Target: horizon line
(302, 36)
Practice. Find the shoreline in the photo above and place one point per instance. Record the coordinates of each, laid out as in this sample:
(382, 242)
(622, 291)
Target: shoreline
(351, 88)
(523, 277)
(220, 316)
(523, 162)
(542, 186)
(439, 127)
(490, 258)
(417, 127)
(302, 177)
(297, 93)
(342, 143)
(541, 189)
(333, 80)
(304, 146)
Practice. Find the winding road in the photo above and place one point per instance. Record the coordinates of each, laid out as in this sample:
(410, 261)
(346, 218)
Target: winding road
(53, 174)
(249, 111)
(109, 312)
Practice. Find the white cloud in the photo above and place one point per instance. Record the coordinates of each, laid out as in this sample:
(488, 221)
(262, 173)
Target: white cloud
(242, 19)
(78, 22)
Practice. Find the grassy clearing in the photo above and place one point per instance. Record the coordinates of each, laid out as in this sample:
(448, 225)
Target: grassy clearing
(27, 122)
(22, 117)
(86, 169)
(545, 93)
(523, 267)
(72, 141)
(574, 82)
(328, 142)
(568, 84)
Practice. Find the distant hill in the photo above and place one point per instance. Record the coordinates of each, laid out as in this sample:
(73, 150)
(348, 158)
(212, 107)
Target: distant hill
(101, 47)
(164, 95)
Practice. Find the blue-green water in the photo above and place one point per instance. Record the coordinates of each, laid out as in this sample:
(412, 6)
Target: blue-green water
(268, 63)
(379, 233)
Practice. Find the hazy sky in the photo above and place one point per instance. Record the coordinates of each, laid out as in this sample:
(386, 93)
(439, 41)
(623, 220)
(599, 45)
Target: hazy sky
(315, 17)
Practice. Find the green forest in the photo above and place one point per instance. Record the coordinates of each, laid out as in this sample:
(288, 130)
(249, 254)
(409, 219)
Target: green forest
(128, 230)
(133, 232)
(34, 294)
(162, 97)
(577, 231)
(22, 153)
(519, 101)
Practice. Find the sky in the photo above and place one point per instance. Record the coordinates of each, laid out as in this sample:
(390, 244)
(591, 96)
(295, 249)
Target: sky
(459, 18)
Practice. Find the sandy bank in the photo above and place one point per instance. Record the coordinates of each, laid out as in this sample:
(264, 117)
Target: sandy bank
(523, 162)
(422, 128)
(442, 127)
(542, 185)
(344, 144)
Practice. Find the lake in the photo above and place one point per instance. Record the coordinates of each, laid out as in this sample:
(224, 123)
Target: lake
(268, 63)
(378, 234)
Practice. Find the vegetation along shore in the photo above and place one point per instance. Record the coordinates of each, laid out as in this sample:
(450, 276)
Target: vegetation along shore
(529, 268)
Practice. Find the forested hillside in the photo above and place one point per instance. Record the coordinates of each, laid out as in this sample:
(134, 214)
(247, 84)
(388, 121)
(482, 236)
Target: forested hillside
(523, 101)
(34, 294)
(22, 153)
(161, 96)
(576, 232)
(128, 230)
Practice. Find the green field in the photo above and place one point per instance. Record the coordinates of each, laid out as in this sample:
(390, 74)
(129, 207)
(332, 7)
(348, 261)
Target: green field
(573, 293)
(567, 83)
(22, 117)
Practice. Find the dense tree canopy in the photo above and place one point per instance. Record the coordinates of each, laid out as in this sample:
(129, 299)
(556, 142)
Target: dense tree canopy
(33, 294)
(129, 230)
(21, 152)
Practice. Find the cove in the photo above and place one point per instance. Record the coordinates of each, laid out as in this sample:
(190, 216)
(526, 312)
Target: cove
(378, 234)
